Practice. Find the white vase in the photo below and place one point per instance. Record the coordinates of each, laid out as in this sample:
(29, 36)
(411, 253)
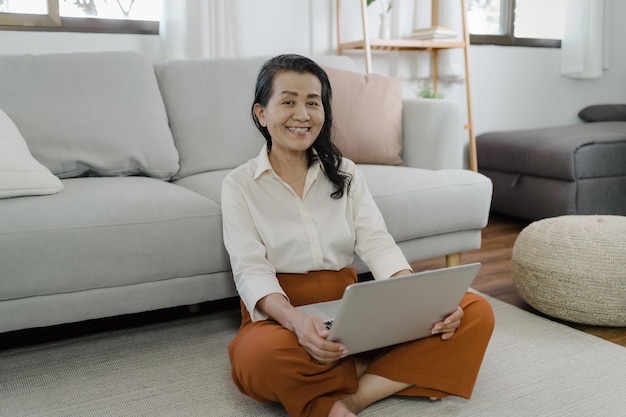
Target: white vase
(384, 31)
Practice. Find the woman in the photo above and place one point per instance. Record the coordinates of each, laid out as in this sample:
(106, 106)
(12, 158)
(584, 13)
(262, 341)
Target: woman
(293, 219)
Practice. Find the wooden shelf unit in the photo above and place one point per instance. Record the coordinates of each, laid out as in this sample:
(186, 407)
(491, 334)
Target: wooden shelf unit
(367, 44)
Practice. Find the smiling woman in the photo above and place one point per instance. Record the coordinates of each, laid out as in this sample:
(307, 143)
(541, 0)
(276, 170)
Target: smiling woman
(119, 16)
(293, 219)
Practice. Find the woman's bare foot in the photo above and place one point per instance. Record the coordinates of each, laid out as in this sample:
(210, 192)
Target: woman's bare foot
(339, 409)
(360, 365)
(371, 389)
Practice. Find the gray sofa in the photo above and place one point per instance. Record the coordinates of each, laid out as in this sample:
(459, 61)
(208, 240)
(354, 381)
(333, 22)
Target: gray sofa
(563, 170)
(141, 150)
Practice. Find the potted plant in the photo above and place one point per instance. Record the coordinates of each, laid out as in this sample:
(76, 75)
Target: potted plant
(429, 92)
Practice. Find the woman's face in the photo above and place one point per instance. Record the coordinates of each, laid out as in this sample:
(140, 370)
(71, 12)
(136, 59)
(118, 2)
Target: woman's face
(294, 114)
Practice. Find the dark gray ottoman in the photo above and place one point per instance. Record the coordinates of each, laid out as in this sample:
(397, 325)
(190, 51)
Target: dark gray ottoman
(539, 173)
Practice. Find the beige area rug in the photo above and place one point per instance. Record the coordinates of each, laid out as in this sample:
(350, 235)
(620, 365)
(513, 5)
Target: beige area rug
(533, 367)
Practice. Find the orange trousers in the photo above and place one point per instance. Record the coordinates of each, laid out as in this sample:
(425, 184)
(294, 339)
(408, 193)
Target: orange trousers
(268, 364)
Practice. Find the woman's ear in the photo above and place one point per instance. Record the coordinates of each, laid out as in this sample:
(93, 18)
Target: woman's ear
(259, 111)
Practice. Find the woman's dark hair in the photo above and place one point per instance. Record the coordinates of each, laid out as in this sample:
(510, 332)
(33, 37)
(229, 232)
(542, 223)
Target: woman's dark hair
(327, 152)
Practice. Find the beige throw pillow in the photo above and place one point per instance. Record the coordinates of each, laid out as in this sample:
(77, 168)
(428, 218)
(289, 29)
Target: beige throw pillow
(367, 112)
(20, 173)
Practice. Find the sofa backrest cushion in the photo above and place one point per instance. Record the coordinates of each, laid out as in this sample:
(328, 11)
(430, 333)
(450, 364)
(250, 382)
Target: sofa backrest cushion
(603, 113)
(208, 104)
(90, 113)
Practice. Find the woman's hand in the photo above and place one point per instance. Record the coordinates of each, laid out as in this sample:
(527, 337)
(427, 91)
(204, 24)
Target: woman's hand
(309, 330)
(448, 326)
(312, 333)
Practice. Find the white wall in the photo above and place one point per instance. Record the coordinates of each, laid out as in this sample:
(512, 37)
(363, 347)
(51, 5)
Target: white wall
(515, 87)
(512, 87)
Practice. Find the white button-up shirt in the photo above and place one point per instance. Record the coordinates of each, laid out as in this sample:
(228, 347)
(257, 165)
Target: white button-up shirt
(269, 229)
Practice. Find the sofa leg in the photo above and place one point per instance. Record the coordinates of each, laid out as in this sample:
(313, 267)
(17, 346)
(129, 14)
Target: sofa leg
(453, 259)
(193, 308)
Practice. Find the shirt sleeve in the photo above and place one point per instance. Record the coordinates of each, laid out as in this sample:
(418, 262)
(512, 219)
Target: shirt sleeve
(254, 276)
(374, 245)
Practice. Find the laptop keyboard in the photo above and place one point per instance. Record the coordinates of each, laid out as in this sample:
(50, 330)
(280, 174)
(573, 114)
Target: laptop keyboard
(328, 324)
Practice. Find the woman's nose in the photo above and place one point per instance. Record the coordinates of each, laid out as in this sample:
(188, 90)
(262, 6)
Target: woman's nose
(301, 113)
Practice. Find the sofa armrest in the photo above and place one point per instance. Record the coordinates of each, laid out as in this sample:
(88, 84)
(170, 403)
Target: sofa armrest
(432, 134)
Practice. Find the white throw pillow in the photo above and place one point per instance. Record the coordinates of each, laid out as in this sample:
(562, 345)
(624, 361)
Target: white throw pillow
(20, 173)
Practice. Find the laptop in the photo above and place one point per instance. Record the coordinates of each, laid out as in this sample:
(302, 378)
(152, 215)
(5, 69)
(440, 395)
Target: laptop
(375, 314)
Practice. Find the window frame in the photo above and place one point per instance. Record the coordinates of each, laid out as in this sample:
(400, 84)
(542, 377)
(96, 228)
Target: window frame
(53, 22)
(507, 21)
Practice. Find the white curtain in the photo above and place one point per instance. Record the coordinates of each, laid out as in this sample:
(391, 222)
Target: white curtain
(199, 29)
(583, 48)
(451, 62)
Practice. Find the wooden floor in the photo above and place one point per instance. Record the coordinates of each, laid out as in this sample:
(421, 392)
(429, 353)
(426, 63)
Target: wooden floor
(495, 279)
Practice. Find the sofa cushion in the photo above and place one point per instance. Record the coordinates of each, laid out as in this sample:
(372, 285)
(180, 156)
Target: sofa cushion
(107, 232)
(414, 202)
(367, 113)
(90, 113)
(208, 184)
(566, 152)
(603, 113)
(208, 103)
(20, 173)
(418, 202)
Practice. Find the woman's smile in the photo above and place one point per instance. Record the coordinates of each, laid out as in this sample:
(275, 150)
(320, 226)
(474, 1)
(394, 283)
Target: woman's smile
(294, 115)
(299, 130)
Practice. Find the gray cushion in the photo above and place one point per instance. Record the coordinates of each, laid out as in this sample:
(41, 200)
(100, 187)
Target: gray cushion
(567, 152)
(89, 113)
(208, 104)
(603, 113)
(414, 202)
(418, 202)
(107, 232)
(208, 184)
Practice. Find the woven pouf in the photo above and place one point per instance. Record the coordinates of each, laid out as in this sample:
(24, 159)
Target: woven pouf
(574, 268)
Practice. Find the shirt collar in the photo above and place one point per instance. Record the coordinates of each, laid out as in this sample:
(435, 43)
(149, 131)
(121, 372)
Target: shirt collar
(263, 162)
(264, 165)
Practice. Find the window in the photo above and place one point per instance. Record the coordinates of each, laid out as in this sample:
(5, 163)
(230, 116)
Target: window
(517, 22)
(115, 16)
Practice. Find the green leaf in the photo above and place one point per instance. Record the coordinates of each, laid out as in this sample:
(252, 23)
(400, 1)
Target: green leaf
(428, 92)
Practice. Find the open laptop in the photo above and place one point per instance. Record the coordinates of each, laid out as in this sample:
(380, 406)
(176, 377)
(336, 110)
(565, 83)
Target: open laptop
(375, 314)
